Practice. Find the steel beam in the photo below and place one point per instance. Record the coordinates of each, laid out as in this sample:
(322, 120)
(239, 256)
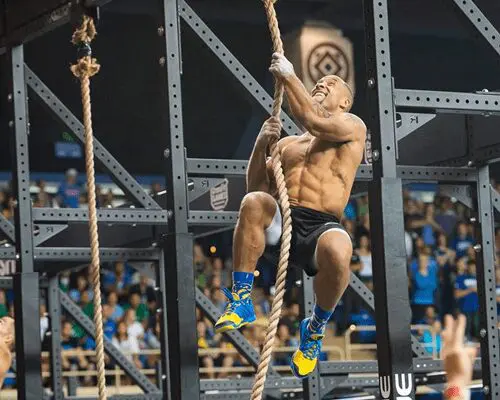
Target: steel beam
(472, 12)
(86, 323)
(130, 216)
(212, 218)
(490, 354)
(54, 309)
(26, 301)
(311, 386)
(83, 254)
(364, 172)
(233, 65)
(178, 243)
(117, 172)
(464, 103)
(394, 350)
(420, 365)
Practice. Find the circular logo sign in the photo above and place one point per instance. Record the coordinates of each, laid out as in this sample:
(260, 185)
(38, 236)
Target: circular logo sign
(327, 59)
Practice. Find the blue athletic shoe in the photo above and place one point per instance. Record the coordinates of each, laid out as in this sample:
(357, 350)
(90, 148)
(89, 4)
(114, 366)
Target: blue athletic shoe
(304, 360)
(238, 312)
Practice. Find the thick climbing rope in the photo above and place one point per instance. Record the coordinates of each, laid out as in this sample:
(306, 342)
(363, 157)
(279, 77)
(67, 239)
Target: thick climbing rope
(266, 353)
(84, 69)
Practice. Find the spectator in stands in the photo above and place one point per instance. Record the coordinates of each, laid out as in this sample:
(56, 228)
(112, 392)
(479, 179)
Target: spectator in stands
(82, 285)
(140, 309)
(115, 308)
(42, 198)
(365, 255)
(445, 258)
(69, 342)
(126, 343)
(431, 339)
(284, 339)
(155, 188)
(68, 194)
(144, 290)
(424, 282)
(134, 328)
(462, 240)
(466, 295)
(447, 216)
(118, 280)
(44, 321)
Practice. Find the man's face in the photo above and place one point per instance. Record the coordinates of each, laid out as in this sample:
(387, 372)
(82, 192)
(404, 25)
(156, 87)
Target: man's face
(331, 92)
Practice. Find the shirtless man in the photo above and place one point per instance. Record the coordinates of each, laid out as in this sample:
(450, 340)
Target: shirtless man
(6, 346)
(320, 168)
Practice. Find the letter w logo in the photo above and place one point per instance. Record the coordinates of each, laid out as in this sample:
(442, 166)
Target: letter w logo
(385, 387)
(403, 388)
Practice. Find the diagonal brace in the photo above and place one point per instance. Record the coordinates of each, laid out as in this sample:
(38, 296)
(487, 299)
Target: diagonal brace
(233, 65)
(86, 323)
(120, 176)
(367, 296)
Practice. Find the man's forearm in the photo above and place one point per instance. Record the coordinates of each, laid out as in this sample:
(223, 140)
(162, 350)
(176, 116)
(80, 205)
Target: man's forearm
(299, 99)
(257, 178)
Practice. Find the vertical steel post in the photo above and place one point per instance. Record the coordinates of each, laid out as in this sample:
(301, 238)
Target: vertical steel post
(26, 286)
(490, 357)
(392, 309)
(311, 385)
(54, 309)
(178, 242)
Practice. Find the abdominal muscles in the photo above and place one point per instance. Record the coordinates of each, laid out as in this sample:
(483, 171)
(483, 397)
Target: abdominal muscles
(318, 188)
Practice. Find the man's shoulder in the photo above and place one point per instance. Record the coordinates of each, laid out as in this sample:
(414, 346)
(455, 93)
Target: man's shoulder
(356, 121)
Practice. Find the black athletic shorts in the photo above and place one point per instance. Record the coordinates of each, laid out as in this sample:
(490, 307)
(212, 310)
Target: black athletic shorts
(308, 225)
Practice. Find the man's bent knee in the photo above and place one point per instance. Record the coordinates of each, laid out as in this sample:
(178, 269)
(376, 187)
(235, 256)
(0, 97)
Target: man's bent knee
(334, 251)
(258, 207)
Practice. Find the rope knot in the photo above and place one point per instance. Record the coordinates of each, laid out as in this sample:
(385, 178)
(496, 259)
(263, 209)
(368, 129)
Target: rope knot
(86, 32)
(85, 67)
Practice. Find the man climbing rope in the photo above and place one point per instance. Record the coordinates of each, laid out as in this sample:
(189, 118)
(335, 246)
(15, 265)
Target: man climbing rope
(320, 168)
(6, 346)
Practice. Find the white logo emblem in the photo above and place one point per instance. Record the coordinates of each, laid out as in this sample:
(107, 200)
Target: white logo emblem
(404, 389)
(385, 387)
(219, 196)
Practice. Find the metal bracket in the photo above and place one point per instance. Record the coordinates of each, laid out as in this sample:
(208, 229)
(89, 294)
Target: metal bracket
(461, 192)
(495, 199)
(197, 187)
(42, 233)
(86, 323)
(407, 123)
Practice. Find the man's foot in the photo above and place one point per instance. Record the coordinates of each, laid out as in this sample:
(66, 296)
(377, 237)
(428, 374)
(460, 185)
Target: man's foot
(239, 312)
(304, 360)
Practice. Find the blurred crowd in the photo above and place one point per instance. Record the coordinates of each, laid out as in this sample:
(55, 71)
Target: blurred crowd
(441, 262)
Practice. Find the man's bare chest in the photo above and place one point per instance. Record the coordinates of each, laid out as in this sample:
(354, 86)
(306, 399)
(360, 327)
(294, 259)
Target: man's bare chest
(312, 151)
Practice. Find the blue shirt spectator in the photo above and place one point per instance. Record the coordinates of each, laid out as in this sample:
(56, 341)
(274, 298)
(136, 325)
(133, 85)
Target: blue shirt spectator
(466, 293)
(424, 275)
(432, 339)
(68, 194)
(462, 241)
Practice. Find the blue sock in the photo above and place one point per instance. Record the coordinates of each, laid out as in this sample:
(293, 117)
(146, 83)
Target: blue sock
(242, 283)
(319, 319)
